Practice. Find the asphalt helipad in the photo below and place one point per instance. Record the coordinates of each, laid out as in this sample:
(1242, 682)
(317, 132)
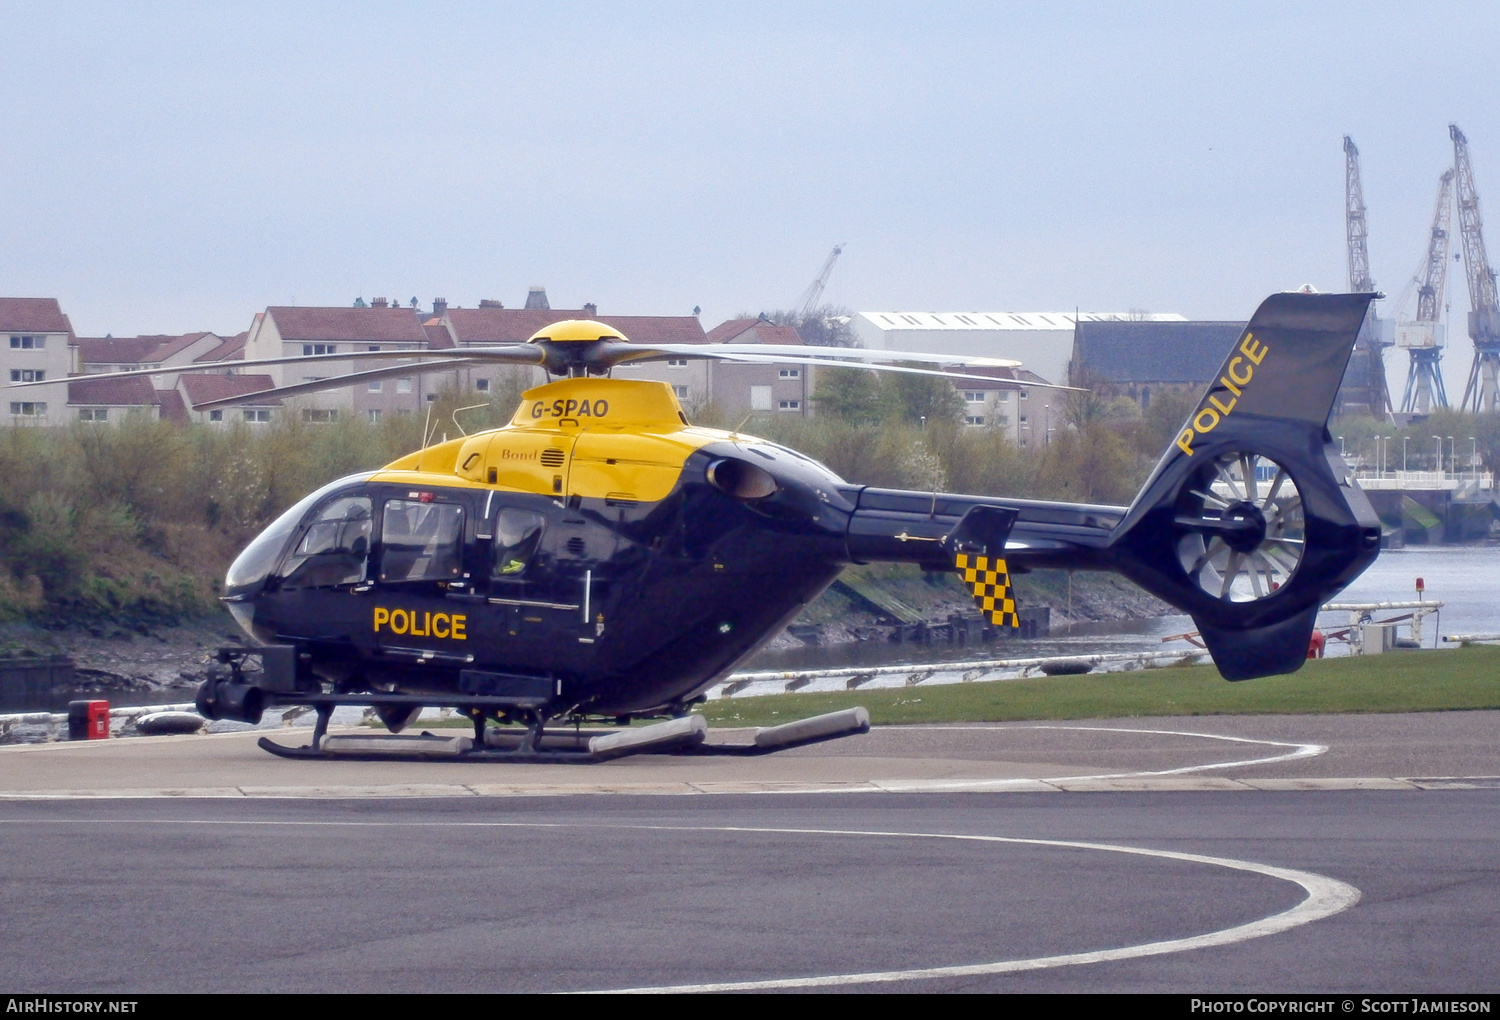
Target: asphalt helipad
(1394, 751)
(1288, 853)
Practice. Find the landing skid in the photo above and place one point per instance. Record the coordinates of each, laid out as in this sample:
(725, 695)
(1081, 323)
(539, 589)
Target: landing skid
(685, 736)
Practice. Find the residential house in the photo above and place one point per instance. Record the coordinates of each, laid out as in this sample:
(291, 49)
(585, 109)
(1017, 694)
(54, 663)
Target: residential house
(740, 389)
(1026, 414)
(37, 345)
(200, 387)
(284, 331)
(105, 400)
(99, 355)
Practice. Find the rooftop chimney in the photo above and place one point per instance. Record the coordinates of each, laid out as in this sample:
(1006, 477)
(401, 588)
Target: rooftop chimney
(590, 311)
(439, 306)
(489, 303)
(380, 302)
(536, 297)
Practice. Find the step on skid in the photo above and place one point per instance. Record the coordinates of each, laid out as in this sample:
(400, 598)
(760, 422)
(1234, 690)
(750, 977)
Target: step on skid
(687, 735)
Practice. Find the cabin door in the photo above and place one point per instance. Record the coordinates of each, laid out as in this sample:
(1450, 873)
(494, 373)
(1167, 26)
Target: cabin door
(421, 560)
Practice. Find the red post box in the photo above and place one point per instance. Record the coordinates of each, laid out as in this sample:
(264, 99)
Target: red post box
(88, 720)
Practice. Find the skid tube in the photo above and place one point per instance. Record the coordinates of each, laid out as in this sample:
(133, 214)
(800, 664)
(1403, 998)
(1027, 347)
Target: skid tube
(687, 735)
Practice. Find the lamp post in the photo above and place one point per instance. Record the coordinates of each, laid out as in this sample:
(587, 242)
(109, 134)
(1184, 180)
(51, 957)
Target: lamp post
(1453, 455)
(1439, 441)
(1047, 410)
(1403, 453)
(1473, 458)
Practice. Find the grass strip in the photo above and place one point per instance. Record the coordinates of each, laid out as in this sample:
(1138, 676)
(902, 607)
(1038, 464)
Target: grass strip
(1407, 681)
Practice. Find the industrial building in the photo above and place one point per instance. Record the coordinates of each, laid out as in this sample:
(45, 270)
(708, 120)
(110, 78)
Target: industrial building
(1041, 341)
(1140, 360)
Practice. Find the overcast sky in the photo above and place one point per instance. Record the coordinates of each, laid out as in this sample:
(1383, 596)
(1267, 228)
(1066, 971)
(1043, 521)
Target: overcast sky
(183, 166)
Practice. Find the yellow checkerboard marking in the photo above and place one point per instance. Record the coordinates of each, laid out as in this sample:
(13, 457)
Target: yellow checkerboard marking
(991, 587)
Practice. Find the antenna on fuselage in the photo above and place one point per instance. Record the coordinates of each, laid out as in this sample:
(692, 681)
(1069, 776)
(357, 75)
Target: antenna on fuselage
(469, 408)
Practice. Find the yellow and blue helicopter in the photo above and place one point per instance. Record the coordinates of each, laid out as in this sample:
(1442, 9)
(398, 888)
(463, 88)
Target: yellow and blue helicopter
(600, 558)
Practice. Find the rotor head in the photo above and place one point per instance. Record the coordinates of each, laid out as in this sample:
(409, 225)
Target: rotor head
(576, 331)
(578, 347)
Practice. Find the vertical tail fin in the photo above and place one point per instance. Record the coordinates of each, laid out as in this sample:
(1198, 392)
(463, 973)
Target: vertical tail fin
(1251, 519)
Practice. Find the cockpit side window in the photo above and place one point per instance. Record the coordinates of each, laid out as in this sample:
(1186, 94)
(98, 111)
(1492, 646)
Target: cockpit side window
(421, 541)
(254, 565)
(334, 548)
(517, 534)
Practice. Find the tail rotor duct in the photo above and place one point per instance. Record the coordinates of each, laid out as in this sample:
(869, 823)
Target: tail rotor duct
(1240, 527)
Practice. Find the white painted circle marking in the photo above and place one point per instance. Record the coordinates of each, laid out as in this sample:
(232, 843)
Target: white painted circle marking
(938, 785)
(1325, 897)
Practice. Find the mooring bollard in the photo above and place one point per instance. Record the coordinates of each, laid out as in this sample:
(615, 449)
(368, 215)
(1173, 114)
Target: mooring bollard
(88, 720)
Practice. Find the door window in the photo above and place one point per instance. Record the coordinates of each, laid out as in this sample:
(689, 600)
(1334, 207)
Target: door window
(517, 534)
(334, 548)
(422, 541)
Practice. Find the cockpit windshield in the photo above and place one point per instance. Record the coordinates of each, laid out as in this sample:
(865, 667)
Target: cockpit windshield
(252, 566)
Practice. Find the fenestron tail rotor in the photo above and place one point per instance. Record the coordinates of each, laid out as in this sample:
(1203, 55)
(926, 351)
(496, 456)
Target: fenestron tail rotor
(1241, 527)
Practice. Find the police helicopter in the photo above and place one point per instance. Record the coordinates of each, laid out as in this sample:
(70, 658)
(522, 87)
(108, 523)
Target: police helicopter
(600, 559)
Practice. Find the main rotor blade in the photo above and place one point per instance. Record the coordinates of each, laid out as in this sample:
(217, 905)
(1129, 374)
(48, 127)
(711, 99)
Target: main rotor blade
(333, 382)
(745, 359)
(828, 357)
(654, 352)
(514, 354)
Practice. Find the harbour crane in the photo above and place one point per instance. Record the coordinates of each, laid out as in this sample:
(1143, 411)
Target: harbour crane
(1354, 222)
(1365, 383)
(1422, 338)
(814, 293)
(1482, 391)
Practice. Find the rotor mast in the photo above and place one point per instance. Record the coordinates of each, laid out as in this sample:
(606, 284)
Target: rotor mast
(1424, 382)
(1482, 391)
(814, 293)
(1371, 390)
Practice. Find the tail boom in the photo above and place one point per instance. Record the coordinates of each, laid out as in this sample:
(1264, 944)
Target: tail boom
(1250, 521)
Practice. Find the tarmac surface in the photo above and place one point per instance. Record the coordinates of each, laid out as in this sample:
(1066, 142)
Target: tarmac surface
(1330, 854)
(1399, 751)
